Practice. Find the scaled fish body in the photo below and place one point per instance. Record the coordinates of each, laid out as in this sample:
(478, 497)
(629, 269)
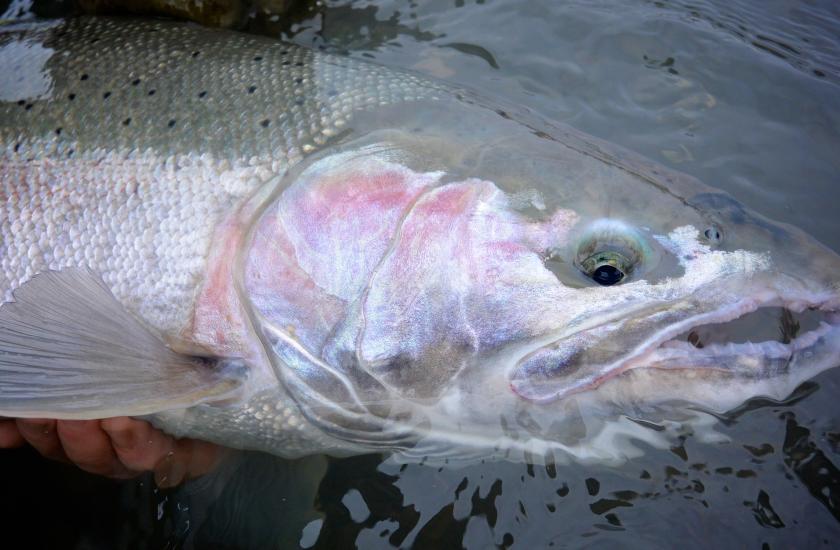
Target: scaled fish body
(271, 248)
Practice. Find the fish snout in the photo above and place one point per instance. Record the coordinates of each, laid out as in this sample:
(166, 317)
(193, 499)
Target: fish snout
(795, 254)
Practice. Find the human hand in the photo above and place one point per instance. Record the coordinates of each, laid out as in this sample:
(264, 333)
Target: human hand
(119, 447)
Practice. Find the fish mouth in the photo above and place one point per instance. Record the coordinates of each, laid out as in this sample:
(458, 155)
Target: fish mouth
(807, 342)
(803, 324)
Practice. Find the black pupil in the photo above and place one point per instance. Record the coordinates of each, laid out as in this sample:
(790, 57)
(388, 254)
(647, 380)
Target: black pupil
(607, 275)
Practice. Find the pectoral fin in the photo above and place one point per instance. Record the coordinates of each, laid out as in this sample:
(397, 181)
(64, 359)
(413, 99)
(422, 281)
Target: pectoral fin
(70, 350)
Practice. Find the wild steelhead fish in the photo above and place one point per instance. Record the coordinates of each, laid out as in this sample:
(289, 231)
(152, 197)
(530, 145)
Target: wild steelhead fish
(271, 248)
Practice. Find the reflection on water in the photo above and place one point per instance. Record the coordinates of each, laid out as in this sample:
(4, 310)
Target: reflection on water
(776, 487)
(743, 95)
(802, 34)
(810, 464)
(342, 27)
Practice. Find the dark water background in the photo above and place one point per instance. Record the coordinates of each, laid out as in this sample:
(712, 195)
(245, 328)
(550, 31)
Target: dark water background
(743, 94)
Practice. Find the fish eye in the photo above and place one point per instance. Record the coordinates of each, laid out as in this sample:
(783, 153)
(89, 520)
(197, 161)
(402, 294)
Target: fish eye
(606, 268)
(609, 251)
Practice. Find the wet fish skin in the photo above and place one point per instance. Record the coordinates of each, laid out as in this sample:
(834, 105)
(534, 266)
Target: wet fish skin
(143, 136)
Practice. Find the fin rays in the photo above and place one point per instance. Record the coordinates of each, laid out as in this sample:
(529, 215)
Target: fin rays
(69, 349)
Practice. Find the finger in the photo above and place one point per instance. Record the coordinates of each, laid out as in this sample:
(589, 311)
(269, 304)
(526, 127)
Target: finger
(41, 434)
(9, 434)
(138, 445)
(190, 458)
(169, 471)
(89, 447)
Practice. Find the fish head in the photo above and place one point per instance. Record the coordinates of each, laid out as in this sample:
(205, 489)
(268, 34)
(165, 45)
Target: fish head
(461, 273)
(715, 296)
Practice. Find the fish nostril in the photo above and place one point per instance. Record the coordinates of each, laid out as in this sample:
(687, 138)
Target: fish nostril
(713, 234)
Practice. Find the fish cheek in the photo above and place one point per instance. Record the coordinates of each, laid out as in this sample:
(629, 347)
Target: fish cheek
(561, 369)
(424, 377)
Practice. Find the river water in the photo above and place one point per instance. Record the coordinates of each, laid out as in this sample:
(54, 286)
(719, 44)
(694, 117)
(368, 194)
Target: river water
(744, 95)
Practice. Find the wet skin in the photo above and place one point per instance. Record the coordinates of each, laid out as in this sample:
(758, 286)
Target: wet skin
(119, 448)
